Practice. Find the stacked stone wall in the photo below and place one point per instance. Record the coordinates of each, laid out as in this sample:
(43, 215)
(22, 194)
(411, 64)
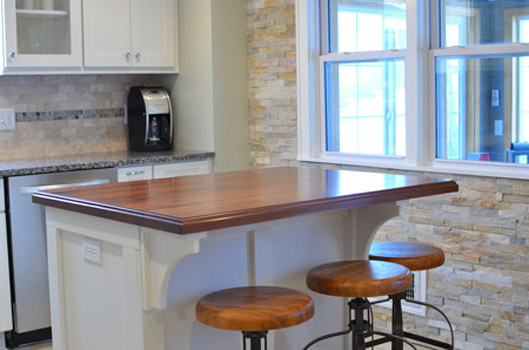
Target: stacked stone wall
(484, 228)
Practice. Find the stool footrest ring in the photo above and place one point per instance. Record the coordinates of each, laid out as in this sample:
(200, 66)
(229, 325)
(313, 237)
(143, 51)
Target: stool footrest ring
(360, 328)
(451, 344)
(427, 340)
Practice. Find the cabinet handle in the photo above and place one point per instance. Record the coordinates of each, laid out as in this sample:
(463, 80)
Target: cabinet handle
(12, 54)
(132, 173)
(138, 56)
(127, 56)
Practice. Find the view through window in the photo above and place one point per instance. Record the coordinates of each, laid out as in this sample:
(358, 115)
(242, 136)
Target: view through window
(480, 79)
(365, 97)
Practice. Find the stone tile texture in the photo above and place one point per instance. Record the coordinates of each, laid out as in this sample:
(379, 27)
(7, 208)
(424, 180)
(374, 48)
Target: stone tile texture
(65, 114)
(483, 229)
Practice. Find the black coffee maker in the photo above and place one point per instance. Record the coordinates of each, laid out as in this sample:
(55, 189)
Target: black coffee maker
(150, 119)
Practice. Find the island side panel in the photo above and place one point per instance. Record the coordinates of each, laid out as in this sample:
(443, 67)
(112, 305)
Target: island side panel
(97, 305)
(272, 253)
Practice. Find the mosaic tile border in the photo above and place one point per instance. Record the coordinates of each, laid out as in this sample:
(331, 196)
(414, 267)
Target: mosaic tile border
(70, 115)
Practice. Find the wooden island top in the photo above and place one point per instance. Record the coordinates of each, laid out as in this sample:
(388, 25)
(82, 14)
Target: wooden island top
(190, 204)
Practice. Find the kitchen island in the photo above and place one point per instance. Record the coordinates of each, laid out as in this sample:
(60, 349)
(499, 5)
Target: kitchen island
(128, 261)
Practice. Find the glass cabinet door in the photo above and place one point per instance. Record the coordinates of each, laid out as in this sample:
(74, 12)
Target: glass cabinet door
(43, 33)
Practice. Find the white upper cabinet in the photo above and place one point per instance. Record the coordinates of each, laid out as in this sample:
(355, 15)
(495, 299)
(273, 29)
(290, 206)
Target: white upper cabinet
(106, 32)
(42, 34)
(129, 33)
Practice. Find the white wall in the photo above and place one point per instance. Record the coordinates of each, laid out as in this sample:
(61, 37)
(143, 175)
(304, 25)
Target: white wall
(210, 92)
(230, 83)
(193, 87)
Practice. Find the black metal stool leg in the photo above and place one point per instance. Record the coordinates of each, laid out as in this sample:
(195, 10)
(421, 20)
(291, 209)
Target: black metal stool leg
(396, 321)
(256, 339)
(360, 327)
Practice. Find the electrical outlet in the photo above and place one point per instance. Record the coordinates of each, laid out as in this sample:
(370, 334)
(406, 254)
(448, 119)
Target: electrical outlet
(7, 119)
(91, 251)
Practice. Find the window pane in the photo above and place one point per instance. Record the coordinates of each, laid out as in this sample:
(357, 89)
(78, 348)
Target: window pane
(366, 25)
(482, 111)
(475, 22)
(365, 107)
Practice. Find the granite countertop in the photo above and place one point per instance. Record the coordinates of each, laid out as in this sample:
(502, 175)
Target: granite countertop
(101, 160)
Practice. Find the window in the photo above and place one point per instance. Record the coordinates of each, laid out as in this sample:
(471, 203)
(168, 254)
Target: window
(364, 88)
(440, 85)
(472, 112)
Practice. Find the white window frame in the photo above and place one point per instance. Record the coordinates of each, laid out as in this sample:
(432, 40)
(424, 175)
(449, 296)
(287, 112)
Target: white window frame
(419, 289)
(420, 99)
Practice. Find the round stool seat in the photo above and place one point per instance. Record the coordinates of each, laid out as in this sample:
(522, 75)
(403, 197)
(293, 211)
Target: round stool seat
(415, 256)
(359, 278)
(254, 309)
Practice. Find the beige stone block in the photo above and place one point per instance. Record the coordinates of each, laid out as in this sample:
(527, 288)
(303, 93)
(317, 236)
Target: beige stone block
(471, 194)
(467, 258)
(487, 204)
(462, 201)
(464, 283)
(513, 198)
(494, 288)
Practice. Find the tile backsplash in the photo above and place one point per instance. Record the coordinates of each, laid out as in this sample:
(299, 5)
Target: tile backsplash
(65, 114)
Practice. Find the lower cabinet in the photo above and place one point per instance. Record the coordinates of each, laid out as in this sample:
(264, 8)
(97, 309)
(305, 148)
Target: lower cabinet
(159, 171)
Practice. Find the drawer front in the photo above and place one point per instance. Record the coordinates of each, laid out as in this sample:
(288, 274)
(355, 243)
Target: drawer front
(135, 173)
(6, 323)
(182, 169)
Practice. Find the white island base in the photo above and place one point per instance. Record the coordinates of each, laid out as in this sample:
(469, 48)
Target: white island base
(142, 296)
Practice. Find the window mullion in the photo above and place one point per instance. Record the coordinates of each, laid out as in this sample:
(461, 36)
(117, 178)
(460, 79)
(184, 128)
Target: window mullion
(483, 50)
(413, 89)
(363, 56)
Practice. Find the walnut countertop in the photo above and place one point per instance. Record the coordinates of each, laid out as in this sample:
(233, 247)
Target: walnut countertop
(192, 204)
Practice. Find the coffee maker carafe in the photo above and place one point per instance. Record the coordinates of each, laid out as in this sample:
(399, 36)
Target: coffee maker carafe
(150, 119)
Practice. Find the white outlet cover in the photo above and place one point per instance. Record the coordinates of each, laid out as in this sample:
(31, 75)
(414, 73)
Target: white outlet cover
(7, 119)
(91, 251)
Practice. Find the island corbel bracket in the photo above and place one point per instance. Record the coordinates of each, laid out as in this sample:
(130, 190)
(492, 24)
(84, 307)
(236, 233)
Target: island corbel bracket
(364, 223)
(160, 254)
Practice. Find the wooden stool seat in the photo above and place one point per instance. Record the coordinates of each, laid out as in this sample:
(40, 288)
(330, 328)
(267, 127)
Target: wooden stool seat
(255, 309)
(415, 256)
(359, 278)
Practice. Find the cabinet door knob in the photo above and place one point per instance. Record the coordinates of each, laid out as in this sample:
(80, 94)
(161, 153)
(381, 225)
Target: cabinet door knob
(138, 56)
(12, 54)
(127, 56)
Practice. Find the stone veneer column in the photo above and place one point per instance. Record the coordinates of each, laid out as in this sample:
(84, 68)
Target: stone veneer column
(272, 82)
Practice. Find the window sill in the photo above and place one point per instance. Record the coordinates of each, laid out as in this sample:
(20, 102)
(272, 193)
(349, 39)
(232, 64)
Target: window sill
(482, 169)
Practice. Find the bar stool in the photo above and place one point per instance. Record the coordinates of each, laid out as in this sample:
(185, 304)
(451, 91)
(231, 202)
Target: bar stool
(358, 280)
(254, 311)
(416, 257)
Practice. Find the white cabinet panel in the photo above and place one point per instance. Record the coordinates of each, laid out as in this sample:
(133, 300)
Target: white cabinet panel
(6, 323)
(106, 31)
(182, 169)
(153, 33)
(135, 173)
